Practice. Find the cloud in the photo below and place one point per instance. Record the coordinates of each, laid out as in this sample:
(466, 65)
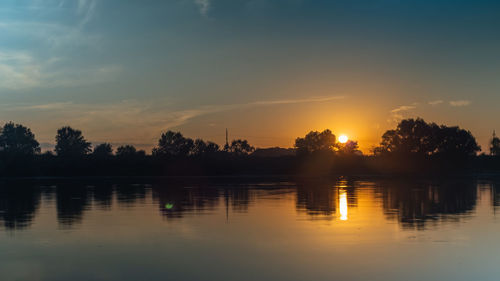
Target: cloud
(130, 120)
(398, 113)
(458, 103)
(292, 101)
(49, 60)
(22, 70)
(178, 118)
(435, 102)
(47, 106)
(403, 108)
(86, 9)
(55, 36)
(203, 6)
(18, 70)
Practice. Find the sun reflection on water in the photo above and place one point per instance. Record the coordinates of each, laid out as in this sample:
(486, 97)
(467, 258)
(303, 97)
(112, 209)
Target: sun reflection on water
(343, 204)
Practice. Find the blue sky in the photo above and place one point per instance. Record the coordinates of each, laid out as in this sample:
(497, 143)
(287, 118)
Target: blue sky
(124, 71)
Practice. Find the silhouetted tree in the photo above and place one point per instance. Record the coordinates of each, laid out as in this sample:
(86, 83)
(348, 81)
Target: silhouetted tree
(350, 147)
(241, 147)
(129, 151)
(415, 136)
(48, 153)
(174, 144)
(71, 143)
(453, 141)
(103, 150)
(315, 141)
(410, 136)
(17, 140)
(495, 145)
(205, 148)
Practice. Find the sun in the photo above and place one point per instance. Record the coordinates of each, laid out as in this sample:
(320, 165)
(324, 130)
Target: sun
(343, 139)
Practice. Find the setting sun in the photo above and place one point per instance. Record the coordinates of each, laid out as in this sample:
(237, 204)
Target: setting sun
(343, 139)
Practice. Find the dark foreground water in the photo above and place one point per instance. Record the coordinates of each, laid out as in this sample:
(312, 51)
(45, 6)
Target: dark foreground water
(365, 229)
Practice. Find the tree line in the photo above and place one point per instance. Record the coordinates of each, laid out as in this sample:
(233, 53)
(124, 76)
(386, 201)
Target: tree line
(17, 141)
(414, 142)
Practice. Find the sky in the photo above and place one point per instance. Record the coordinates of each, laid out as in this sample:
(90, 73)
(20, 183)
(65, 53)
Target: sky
(125, 71)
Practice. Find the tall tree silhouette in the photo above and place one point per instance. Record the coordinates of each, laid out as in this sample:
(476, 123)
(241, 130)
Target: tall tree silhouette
(241, 147)
(103, 150)
(71, 143)
(128, 151)
(415, 136)
(173, 144)
(453, 141)
(410, 136)
(495, 145)
(350, 147)
(18, 140)
(315, 141)
(202, 147)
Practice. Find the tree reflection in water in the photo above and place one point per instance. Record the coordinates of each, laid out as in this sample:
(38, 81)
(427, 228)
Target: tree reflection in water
(72, 200)
(319, 198)
(414, 204)
(18, 205)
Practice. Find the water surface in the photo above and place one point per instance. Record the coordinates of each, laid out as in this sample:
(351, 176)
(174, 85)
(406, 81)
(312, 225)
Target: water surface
(345, 229)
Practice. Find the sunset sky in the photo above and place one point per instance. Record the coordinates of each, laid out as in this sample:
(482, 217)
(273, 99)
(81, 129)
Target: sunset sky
(269, 71)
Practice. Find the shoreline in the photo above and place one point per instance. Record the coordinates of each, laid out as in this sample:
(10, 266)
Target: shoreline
(248, 177)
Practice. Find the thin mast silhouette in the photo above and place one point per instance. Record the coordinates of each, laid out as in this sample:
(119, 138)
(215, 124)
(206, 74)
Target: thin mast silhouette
(226, 147)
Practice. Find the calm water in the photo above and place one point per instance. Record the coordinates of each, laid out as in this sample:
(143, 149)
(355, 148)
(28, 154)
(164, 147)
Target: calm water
(363, 229)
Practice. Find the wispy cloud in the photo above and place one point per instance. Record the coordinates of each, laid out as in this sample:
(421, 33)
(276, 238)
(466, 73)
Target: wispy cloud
(435, 102)
(86, 9)
(113, 122)
(18, 70)
(47, 106)
(292, 101)
(203, 6)
(403, 108)
(180, 117)
(46, 62)
(458, 103)
(398, 113)
(22, 70)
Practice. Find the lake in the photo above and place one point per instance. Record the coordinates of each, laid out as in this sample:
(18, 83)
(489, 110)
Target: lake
(304, 229)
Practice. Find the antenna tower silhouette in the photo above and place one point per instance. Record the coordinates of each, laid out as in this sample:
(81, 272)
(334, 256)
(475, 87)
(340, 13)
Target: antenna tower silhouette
(227, 141)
